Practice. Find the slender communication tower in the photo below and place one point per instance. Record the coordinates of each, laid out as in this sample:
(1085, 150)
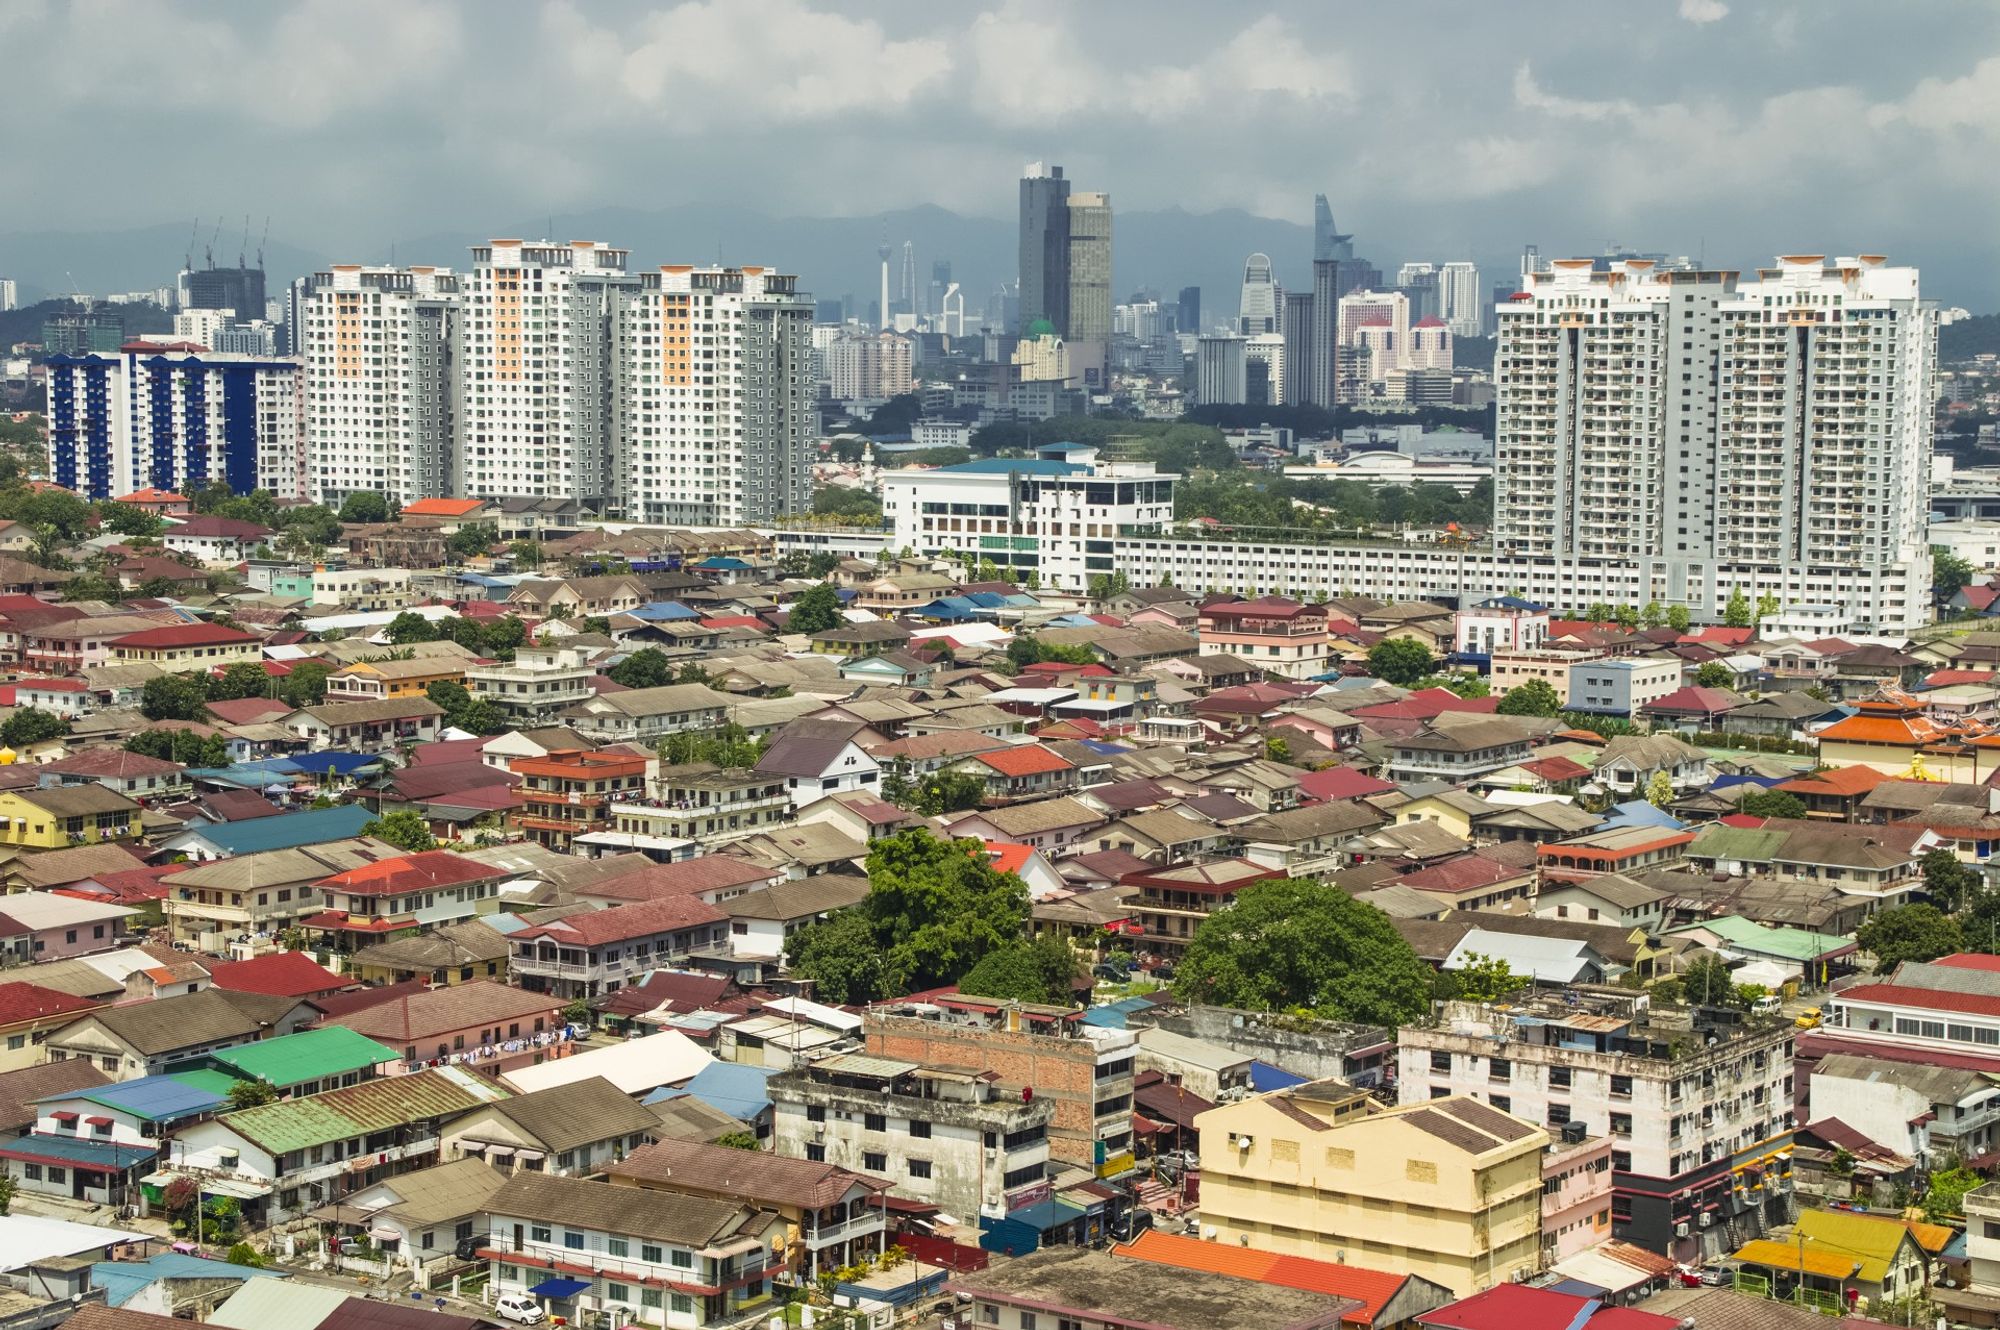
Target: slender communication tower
(882, 313)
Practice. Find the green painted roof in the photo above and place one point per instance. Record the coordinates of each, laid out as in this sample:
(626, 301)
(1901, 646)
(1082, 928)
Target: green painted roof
(309, 1055)
(359, 1110)
(215, 1082)
(1749, 844)
(1792, 943)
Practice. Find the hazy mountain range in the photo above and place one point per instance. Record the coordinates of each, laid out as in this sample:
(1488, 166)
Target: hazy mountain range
(833, 256)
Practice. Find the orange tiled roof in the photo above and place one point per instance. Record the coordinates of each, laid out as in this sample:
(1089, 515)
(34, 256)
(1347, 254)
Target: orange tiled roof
(1371, 1288)
(443, 507)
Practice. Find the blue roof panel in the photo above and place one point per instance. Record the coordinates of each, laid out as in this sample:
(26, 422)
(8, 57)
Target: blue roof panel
(1264, 1078)
(287, 831)
(155, 1098)
(1007, 466)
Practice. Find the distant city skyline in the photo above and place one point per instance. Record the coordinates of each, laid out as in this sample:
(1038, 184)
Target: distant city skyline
(1646, 130)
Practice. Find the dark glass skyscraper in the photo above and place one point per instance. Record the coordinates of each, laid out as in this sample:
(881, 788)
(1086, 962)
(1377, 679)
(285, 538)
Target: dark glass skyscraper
(1044, 247)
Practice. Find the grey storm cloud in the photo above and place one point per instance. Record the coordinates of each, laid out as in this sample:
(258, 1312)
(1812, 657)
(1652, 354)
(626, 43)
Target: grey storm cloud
(1722, 127)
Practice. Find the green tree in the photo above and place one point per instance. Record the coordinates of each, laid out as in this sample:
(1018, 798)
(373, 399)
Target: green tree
(1713, 674)
(1944, 1199)
(526, 553)
(730, 746)
(305, 686)
(469, 542)
(1026, 649)
(1909, 933)
(1627, 617)
(1768, 604)
(6, 1195)
(578, 1013)
(1044, 970)
(1736, 612)
(1772, 803)
(1277, 748)
(1293, 943)
(129, 521)
(647, 667)
(174, 744)
(91, 586)
(944, 792)
(1399, 660)
(243, 1253)
(409, 626)
(1707, 981)
(251, 1094)
(1660, 789)
(739, 1140)
(365, 506)
(1488, 979)
(32, 725)
(939, 906)
(815, 611)
(1679, 618)
(1948, 882)
(1949, 574)
(1532, 697)
(1600, 611)
(842, 958)
(404, 829)
(174, 697)
(1654, 615)
(243, 679)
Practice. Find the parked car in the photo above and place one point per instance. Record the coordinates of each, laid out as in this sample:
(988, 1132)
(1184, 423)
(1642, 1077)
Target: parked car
(1110, 973)
(1808, 1019)
(518, 1307)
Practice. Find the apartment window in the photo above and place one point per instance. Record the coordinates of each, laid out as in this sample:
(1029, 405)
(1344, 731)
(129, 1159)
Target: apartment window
(920, 1130)
(617, 1247)
(1440, 1062)
(1501, 1102)
(816, 1152)
(874, 1122)
(1027, 1321)
(572, 1240)
(920, 1168)
(683, 1304)
(1621, 1087)
(649, 1297)
(815, 1113)
(539, 1233)
(875, 1161)
(1558, 1114)
(1499, 1069)
(651, 1254)
(1621, 1124)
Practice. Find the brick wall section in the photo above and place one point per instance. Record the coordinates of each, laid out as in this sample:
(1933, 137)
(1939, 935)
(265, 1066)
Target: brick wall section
(1063, 1071)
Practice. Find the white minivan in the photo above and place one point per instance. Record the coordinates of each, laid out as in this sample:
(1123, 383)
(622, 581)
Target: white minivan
(518, 1307)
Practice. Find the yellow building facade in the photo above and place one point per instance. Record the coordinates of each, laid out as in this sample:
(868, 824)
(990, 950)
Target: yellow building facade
(1449, 1190)
(57, 818)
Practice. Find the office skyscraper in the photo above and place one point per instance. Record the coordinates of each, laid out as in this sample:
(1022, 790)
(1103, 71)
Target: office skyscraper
(380, 355)
(1327, 242)
(1458, 299)
(1687, 418)
(1298, 324)
(1088, 331)
(1257, 310)
(1188, 311)
(907, 295)
(1044, 247)
(1221, 364)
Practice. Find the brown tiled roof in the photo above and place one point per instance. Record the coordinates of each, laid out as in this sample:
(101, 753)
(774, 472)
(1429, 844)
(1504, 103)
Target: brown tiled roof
(623, 923)
(807, 747)
(160, 1026)
(55, 868)
(757, 1177)
(19, 1089)
(563, 1117)
(418, 1016)
(684, 1221)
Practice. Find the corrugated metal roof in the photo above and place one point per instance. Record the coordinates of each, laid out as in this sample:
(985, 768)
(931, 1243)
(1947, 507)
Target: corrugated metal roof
(297, 1124)
(309, 1055)
(153, 1098)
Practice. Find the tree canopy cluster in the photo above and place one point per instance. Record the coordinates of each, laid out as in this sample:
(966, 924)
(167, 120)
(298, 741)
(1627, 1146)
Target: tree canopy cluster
(493, 638)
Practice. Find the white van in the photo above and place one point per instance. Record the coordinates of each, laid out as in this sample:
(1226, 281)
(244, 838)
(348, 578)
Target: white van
(518, 1307)
(1768, 1005)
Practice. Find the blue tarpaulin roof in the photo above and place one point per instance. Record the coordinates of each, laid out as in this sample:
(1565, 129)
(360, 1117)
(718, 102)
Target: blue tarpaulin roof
(1639, 813)
(314, 826)
(729, 1087)
(250, 778)
(75, 1151)
(1265, 1077)
(1045, 1215)
(341, 764)
(665, 611)
(559, 1288)
(1765, 782)
(124, 1280)
(1102, 748)
(153, 1098)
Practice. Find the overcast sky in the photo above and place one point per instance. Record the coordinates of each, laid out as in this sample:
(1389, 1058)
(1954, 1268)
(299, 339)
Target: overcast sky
(1723, 127)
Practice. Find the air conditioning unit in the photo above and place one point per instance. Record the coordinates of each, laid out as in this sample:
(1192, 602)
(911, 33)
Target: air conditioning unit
(1706, 1219)
(1681, 1229)
(1523, 1274)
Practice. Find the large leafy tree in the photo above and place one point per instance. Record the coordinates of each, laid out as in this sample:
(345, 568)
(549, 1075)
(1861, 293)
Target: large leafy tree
(1737, 612)
(1909, 933)
(1399, 660)
(174, 697)
(305, 686)
(1044, 970)
(935, 908)
(408, 627)
(1481, 978)
(32, 725)
(243, 679)
(173, 744)
(1292, 943)
(405, 829)
(1947, 881)
(1534, 697)
(1949, 574)
(841, 957)
(365, 506)
(647, 667)
(1707, 981)
(1772, 803)
(815, 611)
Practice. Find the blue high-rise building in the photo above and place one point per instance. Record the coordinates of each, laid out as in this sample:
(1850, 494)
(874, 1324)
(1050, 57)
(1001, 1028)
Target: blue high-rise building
(173, 415)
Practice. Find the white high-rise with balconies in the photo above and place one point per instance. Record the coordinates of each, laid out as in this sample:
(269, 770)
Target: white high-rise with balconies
(1771, 434)
(1460, 299)
(537, 361)
(714, 409)
(377, 345)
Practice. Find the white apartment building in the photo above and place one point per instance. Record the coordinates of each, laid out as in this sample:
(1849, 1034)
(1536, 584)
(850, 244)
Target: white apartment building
(1055, 516)
(715, 408)
(175, 414)
(1460, 299)
(537, 683)
(1779, 426)
(1220, 370)
(868, 366)
(537, 364)
(1695, 1115)
(379, 356)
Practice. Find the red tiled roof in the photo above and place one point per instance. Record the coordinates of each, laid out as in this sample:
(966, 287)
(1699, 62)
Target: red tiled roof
(52, 685)
(151, 494)
(684, 877)
(1524, 1307)
(1024, 760)
(228, 527)
(1719, 634)
(186, 635)
(1371, 1288)
(250, 710)
(1836, 781)
(442, 507)
(1741, 820)
(1946, 678)
(1969, 960)
(1427, 704)
(22, 1001)
(277, 973)
(1336, 783)
(622, 923)
(1009, 856)
(1695, 699)
(113, 762)
(1467, 873)
(410, 872)
(1557, 768)
(1935, 999)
